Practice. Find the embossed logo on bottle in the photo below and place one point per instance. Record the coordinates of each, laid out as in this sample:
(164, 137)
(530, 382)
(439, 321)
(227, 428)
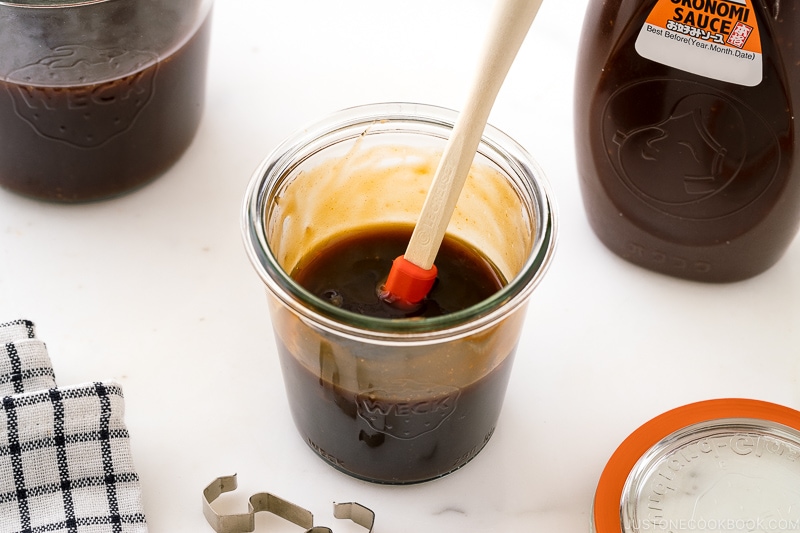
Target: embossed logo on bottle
(61, 98)
(426, 407)
(709, 156)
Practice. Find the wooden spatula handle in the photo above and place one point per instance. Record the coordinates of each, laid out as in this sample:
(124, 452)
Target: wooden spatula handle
(512, 19)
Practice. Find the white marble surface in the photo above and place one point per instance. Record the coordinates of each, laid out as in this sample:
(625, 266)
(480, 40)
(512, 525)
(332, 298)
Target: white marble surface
(154, 288)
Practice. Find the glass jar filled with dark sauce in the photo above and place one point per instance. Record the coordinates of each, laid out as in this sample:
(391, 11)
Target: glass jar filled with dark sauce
(686, 133)
(388, 393)
(98, 97)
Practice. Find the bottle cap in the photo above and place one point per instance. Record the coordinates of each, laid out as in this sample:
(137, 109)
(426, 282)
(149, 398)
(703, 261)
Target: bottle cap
(720, 465)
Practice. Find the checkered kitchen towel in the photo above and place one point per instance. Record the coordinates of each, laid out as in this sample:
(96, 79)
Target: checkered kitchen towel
(65, 461)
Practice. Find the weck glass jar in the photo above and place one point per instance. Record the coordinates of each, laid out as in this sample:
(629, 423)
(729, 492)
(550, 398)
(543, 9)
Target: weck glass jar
(399, 400)
(98, 97)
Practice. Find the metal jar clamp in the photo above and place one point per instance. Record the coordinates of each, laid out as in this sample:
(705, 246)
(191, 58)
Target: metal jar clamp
(267, 502)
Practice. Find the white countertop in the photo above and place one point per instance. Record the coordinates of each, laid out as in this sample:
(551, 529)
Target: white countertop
(154, 288)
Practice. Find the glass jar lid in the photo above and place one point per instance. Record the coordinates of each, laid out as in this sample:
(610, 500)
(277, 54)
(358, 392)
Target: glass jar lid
(729, 465)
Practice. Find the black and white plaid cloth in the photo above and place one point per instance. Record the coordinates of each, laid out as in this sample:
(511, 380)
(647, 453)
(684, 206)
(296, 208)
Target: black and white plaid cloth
(65, 461)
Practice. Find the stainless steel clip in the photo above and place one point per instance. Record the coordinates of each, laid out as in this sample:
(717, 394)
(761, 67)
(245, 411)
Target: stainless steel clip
(355, 512)
(267, 502)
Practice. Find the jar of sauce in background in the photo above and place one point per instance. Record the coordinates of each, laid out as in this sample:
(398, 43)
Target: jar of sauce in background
(686, 135)
(98, 97)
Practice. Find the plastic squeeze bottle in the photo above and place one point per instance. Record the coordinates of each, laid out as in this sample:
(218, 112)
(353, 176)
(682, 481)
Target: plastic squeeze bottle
(686, 135)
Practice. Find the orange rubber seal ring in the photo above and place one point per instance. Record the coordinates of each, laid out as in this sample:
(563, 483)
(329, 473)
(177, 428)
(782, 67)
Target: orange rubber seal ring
(612, 480)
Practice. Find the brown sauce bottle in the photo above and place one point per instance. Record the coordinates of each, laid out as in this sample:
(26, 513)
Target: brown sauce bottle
(685, 133)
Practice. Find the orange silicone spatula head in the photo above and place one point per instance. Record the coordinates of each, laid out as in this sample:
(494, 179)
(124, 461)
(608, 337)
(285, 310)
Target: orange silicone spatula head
(408, 284)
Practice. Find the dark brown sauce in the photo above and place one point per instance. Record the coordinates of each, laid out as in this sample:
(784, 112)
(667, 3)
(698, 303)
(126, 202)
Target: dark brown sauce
(348, 272)
(88, 142)
(422, 423)
(431, 432)
(681, 173)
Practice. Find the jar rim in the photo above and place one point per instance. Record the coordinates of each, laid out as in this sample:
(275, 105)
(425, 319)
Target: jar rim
(41, 4)
(639, 451)
(326, 316)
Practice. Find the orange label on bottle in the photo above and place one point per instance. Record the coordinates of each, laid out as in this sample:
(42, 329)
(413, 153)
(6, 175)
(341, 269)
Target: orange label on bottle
(717, 39)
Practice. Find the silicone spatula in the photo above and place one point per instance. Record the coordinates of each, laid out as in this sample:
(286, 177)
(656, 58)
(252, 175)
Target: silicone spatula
(413, 274)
